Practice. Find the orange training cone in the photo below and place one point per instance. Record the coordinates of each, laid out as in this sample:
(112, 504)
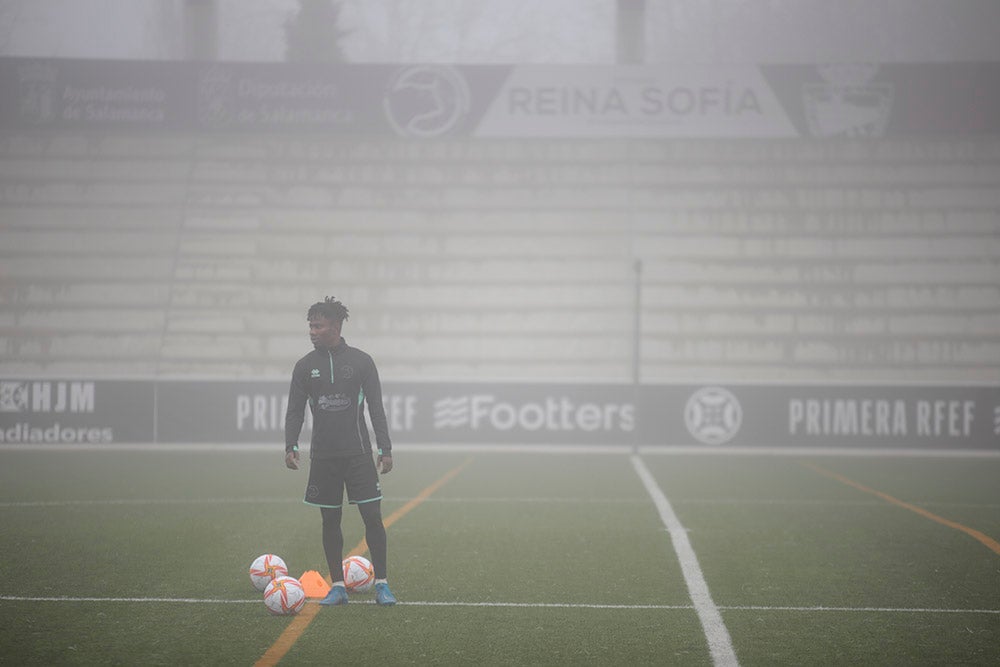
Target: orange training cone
(314, 584)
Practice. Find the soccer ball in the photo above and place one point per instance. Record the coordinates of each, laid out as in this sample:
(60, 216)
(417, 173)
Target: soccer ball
(265, 568)
(359, 575)
(284, 596)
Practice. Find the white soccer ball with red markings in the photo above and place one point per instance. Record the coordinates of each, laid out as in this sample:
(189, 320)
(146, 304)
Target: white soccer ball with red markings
(265, 569)
(359, 575)
(284, 596)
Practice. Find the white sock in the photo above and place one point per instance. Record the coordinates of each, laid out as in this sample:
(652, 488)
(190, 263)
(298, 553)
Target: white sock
(339, 583)
(381, 581)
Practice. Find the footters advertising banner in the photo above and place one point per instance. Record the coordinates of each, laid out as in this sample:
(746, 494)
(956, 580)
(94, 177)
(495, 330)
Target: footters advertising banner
(87, 412)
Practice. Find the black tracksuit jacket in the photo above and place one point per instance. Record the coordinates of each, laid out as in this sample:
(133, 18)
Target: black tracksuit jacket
(337, 383)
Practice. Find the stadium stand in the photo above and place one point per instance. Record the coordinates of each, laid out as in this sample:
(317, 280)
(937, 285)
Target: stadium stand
(795, 260)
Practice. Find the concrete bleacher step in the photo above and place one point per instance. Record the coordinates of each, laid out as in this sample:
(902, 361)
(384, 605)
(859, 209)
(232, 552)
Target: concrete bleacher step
(86, 218)
(488, 348)
(141, 367)
(819, 352)
(77, 293)
(46, 243)
(26, 270)
(91, 320)
(207, 321)
(216, 346)
(90, 170)
(84, 347)
(45, 193)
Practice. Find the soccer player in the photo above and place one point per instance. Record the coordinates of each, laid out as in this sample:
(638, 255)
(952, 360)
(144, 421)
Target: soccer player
(338, 380)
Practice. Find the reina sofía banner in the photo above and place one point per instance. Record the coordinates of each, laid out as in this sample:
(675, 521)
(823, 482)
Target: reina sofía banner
(95, 412)
(858, 100)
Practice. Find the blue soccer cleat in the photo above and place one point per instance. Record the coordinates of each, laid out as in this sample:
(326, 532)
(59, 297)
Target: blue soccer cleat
(337, 595)
(383, 595)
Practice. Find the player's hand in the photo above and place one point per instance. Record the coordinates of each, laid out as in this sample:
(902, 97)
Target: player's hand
(384, 463)
(292, 459)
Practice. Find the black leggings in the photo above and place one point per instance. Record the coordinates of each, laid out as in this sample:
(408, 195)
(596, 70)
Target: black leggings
(333, 538)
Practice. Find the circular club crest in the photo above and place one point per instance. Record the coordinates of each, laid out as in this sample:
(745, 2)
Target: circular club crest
(713, 415)
(426, 101)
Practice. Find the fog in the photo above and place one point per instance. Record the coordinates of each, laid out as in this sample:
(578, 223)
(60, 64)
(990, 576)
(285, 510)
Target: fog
(517, 31)
(576, 192)
(737, 257)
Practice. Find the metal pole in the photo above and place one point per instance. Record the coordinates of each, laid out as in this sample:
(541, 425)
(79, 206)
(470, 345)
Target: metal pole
(637, 322)
(636, 350)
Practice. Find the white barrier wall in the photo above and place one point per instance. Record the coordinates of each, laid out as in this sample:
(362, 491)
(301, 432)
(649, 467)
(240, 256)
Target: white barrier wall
(862, 417)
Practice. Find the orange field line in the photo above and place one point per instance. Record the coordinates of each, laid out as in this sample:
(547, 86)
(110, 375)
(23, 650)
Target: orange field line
(302, 620)
(990, 543)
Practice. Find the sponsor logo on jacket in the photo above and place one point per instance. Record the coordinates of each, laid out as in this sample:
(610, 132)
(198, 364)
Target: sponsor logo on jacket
(334, 402)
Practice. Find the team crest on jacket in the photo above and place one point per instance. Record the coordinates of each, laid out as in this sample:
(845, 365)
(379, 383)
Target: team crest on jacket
(346, 372)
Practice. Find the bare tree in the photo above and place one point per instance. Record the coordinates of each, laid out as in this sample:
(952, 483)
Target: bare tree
(12, 14)
(487, 31)
(313, 33)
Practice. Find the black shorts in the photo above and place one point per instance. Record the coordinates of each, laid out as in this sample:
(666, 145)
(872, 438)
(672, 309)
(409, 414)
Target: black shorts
(329, 477)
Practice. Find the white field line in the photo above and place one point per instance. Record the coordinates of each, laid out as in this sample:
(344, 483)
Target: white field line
(666, 449)
(25, 598)
(806, 502)
(520, 605)
(719, 643)
(890, 610)
(739, 502)
(297, 500)
(147, 501)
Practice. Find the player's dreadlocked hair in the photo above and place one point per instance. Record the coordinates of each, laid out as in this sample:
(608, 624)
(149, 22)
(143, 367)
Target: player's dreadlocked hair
(329, 308)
